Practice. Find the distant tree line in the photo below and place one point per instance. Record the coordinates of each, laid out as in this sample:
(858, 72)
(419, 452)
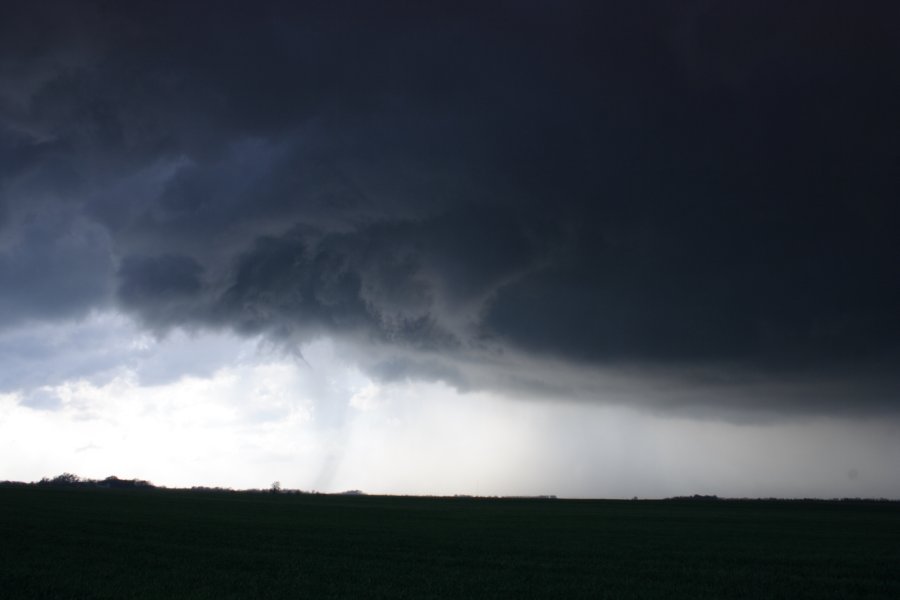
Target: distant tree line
(70, 480)
(710, 498)
(696, 497)
(113, 482)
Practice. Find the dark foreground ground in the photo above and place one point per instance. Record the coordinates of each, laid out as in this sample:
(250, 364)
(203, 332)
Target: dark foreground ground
(85, 543)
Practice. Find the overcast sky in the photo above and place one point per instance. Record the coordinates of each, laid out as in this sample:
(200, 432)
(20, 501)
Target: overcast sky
(575, 248)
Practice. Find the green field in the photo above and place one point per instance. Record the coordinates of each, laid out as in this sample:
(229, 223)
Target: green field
(90, 543)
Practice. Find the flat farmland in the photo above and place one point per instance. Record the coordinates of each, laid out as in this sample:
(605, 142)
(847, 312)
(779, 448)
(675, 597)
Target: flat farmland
(96, 543)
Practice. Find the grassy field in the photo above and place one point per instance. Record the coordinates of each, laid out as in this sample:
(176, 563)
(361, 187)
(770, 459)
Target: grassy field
(88, 543)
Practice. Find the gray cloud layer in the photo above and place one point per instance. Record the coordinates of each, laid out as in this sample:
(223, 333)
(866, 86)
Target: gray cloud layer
(645, 188)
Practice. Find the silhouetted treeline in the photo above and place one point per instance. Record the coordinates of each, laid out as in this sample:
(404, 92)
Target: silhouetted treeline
(711, 498)
(113, 482)
(696, 497)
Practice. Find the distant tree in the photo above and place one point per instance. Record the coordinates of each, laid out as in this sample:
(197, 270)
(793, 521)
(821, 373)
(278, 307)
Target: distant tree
(114, 482)
(276, 487)
(66, 479)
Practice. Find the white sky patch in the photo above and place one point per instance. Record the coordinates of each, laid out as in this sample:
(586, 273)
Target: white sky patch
(219, 410)
(368, 398)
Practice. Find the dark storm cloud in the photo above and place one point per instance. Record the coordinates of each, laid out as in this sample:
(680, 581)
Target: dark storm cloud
(674, 186)
(53, 266)
(398, 282)
(281, 281)
(769, 283)
(162, 289)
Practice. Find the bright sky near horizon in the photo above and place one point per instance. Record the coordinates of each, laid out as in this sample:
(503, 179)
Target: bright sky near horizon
(319, 423)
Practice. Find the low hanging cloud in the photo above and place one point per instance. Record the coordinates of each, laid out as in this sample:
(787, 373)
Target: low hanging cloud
(690, 207)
